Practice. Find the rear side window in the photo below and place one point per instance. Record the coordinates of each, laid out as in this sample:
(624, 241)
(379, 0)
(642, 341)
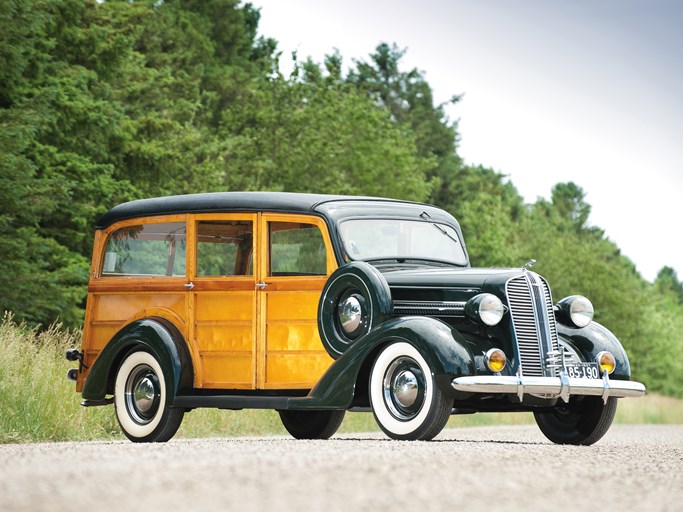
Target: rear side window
(146, 250)
(224, 248)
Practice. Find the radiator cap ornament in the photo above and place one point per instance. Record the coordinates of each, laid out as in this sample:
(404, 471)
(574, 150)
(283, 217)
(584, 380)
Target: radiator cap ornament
(528, 265)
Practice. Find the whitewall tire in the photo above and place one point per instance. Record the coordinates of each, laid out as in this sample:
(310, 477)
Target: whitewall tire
(140, 400)
(404, 398)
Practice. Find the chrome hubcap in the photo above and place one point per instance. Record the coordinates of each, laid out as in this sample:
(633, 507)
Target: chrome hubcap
(142, 394)
(350, 314)
(404, 388)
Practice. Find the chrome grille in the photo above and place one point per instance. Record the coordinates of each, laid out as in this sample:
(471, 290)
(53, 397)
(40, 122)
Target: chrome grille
(550, 312)
(533, 321)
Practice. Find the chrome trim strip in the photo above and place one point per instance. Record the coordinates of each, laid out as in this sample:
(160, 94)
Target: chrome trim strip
(545, 318)
(435, 308)
(556, 386)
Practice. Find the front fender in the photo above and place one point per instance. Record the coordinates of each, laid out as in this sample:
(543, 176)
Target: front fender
(442, 347)
(156, 335)
(595, 338)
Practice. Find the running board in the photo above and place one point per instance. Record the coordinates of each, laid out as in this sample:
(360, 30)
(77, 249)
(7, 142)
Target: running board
(231, 402)
(97, 403)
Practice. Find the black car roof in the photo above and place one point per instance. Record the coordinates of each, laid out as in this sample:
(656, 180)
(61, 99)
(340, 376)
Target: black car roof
(290, 202)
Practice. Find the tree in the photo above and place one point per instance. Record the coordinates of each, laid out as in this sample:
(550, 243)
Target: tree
(569, 201)
(489, 210)
(667, 282)
(409, 98)
(313, 132)
(101, 102)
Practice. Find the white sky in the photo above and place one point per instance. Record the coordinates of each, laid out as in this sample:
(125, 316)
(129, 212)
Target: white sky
(589, 91)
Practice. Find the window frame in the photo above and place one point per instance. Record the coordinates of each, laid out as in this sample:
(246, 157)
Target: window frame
(249, 263)
(98, 270)
(193, 251)
(294, 227)
(264, 247)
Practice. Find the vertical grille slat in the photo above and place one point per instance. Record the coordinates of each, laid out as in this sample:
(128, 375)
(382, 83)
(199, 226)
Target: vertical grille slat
(533, 320)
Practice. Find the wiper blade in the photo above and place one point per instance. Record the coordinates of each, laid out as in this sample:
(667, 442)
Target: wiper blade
(425, 215)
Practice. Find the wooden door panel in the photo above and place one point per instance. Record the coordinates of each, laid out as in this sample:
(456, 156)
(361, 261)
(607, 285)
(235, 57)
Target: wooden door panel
(291, 370)
(291, 354)
(224, 336)
(228, 370)
(223, 308)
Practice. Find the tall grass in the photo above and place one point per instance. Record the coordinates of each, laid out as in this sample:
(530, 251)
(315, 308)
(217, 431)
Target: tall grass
(37, 403)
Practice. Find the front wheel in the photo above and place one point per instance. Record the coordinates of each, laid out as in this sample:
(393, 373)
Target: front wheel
(312, 424)
(140, 400)
(582, 421)
(404, 397)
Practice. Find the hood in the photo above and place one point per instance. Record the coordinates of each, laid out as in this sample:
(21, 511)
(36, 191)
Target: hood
(446, 284)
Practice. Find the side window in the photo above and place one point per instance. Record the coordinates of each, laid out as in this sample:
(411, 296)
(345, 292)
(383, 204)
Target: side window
(296, 249)
(224, 248)
(146, 250)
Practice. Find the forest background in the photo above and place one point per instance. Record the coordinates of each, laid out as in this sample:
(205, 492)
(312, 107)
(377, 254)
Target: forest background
(103, 102)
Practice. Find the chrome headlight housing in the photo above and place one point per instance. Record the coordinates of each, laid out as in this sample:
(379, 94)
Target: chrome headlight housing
(575, 311)
(485, 308)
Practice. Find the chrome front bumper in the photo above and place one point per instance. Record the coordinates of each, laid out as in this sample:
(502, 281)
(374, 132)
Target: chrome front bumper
(555, 387)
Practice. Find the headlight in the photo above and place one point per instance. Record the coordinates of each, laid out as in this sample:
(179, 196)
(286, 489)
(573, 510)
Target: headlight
(486, 308)
(575, 310)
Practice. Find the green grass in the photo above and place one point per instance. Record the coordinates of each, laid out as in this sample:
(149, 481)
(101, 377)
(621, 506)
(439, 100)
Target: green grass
(37, 403)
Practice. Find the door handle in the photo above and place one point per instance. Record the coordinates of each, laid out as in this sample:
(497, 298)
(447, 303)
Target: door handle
(261, 285)
(189, 285)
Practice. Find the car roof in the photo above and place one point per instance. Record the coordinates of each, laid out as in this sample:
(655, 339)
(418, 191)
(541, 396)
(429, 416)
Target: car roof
(289, 202)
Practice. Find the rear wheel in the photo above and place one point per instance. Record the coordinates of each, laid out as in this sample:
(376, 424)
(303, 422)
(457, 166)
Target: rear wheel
(140, 400)
(405, 400)
(582, 421)
(312, 424)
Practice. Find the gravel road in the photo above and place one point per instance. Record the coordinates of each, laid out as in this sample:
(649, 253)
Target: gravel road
(490, 468)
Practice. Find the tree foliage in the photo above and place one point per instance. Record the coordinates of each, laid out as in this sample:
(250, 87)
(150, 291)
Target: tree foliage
(313, 132)
(107, 101)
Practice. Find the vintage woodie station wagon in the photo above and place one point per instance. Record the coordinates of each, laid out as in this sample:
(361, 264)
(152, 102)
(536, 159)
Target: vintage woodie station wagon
(313, 305)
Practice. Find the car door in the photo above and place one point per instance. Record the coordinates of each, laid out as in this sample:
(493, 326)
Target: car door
(222, 301)
(296, 259)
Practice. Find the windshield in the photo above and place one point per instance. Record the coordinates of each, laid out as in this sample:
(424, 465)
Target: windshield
(373, 239)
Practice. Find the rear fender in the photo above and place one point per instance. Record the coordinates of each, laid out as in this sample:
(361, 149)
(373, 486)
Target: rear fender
(155, 335)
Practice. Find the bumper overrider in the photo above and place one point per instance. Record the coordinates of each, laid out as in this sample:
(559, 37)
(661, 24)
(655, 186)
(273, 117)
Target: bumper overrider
(553, 387)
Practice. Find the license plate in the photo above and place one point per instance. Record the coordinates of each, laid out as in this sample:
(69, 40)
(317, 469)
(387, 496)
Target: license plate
(583, 371)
